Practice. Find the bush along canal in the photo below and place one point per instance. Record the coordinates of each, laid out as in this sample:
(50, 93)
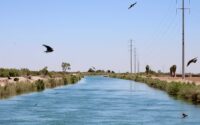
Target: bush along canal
(189, 92)
(13, 89)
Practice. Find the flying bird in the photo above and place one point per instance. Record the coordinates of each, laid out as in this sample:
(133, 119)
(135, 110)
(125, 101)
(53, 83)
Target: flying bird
(132, 5)
(184, 115)
(192, 61)
(49, 49)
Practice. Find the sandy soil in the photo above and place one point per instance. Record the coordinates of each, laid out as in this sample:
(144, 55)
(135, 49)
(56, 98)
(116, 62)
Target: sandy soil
(195, 80)
(4, 81)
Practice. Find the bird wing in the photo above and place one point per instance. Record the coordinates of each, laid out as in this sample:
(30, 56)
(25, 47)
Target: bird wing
(48, 47)
(132, 5)
(45, 46)
(189, 63)
(192, 61)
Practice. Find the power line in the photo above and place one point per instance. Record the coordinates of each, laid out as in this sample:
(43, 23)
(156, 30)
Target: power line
(157, 32)
(164, 26)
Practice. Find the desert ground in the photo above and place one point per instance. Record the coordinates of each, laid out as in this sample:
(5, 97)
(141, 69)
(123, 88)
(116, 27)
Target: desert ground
(4, 81)
(195, 80)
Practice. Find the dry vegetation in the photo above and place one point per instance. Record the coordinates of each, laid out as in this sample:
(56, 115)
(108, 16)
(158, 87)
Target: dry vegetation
(14, 82)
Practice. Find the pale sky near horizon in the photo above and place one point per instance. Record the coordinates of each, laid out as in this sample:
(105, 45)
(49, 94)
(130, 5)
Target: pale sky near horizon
(96, 33)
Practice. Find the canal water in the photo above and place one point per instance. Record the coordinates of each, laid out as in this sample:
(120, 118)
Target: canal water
(98, 101)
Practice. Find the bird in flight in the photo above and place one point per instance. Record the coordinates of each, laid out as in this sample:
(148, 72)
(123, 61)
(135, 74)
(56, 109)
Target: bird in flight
(184, 115)
(132, 5)
(49, 49)
(192, 61)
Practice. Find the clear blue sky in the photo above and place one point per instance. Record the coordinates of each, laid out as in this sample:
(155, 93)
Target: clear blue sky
(96, 33)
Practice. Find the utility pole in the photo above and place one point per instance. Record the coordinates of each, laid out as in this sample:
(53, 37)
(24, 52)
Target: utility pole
(138, 68)
(135, 60)
(183, 39)
(131, 58)
(138, 62)
(131, 55)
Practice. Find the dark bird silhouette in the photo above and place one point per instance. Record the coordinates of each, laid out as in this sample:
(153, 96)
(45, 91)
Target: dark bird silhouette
(49, 49)
(184, 115)
(192, 61)
(132, 5)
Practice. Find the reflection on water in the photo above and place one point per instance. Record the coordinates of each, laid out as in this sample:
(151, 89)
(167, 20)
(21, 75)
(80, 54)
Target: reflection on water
(98, 101)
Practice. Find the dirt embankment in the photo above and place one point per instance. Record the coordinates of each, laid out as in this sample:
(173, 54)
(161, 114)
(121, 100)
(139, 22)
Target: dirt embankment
(4, 81)
(195, 80)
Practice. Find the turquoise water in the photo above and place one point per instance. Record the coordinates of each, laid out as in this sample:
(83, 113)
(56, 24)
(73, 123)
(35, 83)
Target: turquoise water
(98, 101)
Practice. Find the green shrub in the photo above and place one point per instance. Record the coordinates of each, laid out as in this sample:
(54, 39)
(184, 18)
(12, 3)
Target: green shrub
(16, 79)
(44, 71)
(173, 88)
(40, 85)
(14, 73)
(4, 73)
(73, 79)
(66, 80)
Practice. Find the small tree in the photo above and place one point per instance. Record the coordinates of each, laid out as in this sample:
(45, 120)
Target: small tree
(65, 66)
(25, 72)
(159, 72)
(100, 71)
(108, 71)
(173, 71)
(147, 69)
(91, 70)
(44, 71)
